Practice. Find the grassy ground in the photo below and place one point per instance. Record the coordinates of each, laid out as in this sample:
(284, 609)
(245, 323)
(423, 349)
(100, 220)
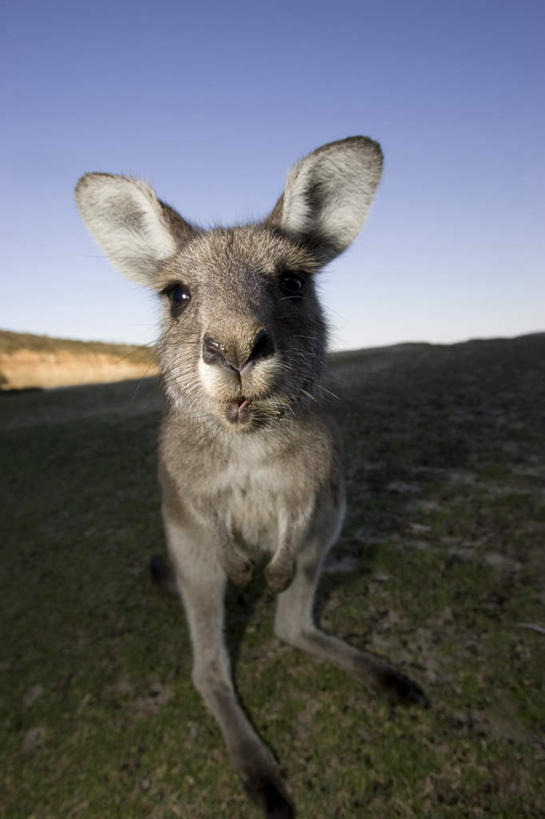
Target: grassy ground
(441, 560)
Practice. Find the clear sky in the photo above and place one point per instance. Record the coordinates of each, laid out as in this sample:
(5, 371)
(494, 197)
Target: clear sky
(213, 101)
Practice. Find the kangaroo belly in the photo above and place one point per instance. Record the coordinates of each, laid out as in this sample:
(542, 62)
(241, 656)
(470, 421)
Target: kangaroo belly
(255, 509)
(254, 525)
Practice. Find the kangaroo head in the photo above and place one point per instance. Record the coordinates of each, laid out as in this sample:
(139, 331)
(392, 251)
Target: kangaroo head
(243, 336)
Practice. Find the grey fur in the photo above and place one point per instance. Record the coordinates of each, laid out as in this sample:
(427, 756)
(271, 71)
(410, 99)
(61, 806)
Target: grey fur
(249, 462)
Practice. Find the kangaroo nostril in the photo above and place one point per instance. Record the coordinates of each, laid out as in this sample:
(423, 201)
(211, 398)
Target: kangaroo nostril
(212, 351)
(263, 346)
(230, 355)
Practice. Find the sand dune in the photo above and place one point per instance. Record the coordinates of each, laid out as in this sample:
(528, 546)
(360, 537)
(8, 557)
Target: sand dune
(61, 363)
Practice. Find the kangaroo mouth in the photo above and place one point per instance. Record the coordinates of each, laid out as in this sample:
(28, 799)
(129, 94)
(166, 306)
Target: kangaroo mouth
(252, 413)
(238, 411)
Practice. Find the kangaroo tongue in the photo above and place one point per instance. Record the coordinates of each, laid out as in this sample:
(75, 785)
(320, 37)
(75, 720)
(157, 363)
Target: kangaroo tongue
(238, 411)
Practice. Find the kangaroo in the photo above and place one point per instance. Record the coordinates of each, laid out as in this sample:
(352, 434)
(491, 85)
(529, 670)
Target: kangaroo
(249, 462)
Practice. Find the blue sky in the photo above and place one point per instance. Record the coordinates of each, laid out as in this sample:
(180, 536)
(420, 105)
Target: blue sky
(212, 102)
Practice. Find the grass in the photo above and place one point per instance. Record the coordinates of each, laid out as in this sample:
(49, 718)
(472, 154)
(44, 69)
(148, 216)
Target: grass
(441, 558)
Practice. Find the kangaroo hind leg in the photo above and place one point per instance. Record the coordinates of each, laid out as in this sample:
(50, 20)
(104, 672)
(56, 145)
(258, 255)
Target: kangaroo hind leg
(201, 582)
(294, 623)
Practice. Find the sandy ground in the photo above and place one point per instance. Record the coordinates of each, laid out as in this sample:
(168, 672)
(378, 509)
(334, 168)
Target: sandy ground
(22, 369)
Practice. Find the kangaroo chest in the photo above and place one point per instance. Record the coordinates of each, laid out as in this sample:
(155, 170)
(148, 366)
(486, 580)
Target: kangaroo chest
(257, 496)
(254, 487)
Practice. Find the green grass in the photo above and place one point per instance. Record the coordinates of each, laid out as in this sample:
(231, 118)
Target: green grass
(445, 535)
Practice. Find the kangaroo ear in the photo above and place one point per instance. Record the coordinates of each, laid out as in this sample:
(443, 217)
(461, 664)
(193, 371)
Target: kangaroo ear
(136, 230)
(328, 195)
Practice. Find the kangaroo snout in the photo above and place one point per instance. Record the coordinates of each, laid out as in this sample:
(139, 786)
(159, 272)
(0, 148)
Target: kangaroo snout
(239, 372)
(235, 356)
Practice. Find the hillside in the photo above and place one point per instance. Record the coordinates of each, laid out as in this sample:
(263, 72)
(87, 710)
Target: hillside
(440, 567)
(28, 360)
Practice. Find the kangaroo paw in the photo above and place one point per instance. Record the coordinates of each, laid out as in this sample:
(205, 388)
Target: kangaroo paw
(270, 796)
(279, 575)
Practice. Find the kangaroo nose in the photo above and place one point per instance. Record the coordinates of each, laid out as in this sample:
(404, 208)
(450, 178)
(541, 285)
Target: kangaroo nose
(263, 346)
(213, 352)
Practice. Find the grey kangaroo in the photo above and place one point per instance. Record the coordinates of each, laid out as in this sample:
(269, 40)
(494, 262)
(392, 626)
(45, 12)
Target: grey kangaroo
(249, 462)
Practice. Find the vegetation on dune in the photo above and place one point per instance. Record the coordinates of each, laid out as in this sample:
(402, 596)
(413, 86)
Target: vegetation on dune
(440, 562)
(11, 342)
(31, 361)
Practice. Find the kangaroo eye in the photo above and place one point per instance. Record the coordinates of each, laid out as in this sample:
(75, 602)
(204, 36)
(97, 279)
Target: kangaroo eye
(292, 284)
(179, 297)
